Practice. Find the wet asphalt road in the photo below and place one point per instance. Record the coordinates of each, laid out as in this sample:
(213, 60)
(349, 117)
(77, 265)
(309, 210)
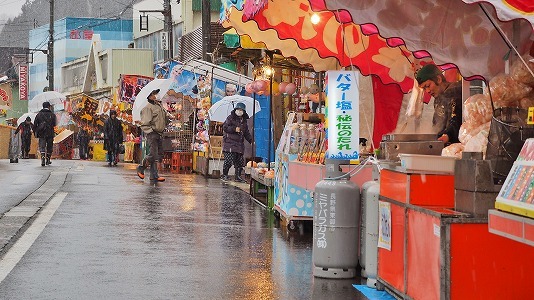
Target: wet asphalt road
(114, 236)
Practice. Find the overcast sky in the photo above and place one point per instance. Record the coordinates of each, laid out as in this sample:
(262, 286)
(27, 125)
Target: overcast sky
(11, 8)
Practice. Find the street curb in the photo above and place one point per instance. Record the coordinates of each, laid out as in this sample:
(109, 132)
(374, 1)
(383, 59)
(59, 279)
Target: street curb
(14, 222)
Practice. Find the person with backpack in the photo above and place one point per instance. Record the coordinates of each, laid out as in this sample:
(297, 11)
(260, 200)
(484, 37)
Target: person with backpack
(44, 124)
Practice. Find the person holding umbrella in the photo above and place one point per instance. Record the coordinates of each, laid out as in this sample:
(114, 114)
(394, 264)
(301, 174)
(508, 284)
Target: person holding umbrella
(43, 128)
(26, 136)
(235, 131)
(154, 120)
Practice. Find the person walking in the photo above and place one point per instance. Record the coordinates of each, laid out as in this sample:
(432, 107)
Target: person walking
(235, 132)
(113, 137)
(25, 129)
(154, 120)
(43, 128)
(83, 143)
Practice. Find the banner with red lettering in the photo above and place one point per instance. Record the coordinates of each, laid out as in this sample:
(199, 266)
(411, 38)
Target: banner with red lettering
(6, 97)
(23, 82)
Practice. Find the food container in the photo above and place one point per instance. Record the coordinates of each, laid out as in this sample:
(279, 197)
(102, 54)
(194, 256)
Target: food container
(429, 163)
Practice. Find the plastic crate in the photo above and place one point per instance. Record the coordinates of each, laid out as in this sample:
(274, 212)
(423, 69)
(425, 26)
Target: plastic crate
(182, 162)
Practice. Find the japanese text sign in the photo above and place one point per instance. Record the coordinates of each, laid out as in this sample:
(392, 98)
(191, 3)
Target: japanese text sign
(343, 115)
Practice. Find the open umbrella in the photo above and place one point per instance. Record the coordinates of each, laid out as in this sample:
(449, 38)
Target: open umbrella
(141, 99)
(24, 116)
(53, 97)
(222, 108)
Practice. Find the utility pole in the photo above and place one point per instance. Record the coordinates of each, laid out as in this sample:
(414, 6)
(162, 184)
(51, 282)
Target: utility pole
(168, 28)
(206, 26)
(50, 56)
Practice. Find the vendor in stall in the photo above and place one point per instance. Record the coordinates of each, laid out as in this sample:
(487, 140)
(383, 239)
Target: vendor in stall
(447, 102)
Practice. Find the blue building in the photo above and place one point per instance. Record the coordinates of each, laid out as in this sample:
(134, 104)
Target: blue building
(72, 40)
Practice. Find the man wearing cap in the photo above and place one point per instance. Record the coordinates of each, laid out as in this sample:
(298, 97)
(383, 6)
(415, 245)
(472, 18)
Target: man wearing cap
(26, 136)
(154, 120)
(447, 117)
(43, 128)
(113, 137)
(235, 131)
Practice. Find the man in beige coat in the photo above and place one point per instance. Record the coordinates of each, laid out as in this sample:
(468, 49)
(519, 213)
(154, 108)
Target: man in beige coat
(153, 121)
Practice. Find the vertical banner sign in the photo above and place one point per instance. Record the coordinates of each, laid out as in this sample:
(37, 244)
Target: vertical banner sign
(164, 35)
(23, 82)
(384, 225)
(343, 115)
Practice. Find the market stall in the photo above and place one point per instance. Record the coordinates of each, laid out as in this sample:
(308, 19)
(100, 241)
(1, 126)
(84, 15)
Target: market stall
(433, 220)
(190, 89)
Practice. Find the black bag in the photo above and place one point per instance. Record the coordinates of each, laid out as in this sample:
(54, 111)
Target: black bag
(121, 149)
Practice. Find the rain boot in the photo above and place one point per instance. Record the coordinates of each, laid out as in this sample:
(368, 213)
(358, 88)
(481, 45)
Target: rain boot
(238, 175)
(48, 162)
(43, 159)
(154, 176)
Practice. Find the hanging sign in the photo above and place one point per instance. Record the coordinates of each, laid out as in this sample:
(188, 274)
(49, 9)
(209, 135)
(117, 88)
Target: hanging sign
(164, 37)
(342, 112)
(23, 82)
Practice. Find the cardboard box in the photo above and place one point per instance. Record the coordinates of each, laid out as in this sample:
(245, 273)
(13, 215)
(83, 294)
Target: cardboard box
(215, 152)
(216, 141)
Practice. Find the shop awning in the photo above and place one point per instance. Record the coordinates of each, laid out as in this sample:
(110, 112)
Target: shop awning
(388, 38)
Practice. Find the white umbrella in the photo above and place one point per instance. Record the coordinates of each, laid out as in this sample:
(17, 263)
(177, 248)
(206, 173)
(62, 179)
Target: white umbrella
(53, 97)
(141, 99)
(222, 108)
(24, 116)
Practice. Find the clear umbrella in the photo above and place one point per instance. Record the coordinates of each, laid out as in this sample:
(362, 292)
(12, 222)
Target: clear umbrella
(24, 116)
(53, 97)
(222, 108)
(141, 99)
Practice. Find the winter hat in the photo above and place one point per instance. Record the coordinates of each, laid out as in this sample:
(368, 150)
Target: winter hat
(46, 104)
(154, 92)
(427, 72)
(240, 106)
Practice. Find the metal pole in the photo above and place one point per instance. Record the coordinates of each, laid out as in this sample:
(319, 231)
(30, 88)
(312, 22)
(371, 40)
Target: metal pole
(167, 27)
(270, 121)
(206, 21)
(50, 56)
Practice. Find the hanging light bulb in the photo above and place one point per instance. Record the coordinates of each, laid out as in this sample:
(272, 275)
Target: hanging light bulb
(315, 19)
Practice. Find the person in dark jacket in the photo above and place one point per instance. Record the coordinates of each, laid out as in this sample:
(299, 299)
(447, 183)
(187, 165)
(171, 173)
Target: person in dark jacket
(25, 129)
(83, 142)
(113, 137)
(447, 117)
(235, 131)
(43, 128)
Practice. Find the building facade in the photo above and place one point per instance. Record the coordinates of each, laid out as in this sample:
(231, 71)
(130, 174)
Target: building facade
(72, 40)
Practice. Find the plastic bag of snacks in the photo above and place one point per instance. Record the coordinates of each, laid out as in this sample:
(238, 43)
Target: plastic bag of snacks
(505, 91)
(520, 73)
(453, 150)
(415, 103)
(477, 143)
(477, 109)
(469, 130)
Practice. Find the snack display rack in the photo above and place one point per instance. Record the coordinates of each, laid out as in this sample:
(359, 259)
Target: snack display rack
(514, 214)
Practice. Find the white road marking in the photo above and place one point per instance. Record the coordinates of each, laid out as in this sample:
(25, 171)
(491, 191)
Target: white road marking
(13, 256)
